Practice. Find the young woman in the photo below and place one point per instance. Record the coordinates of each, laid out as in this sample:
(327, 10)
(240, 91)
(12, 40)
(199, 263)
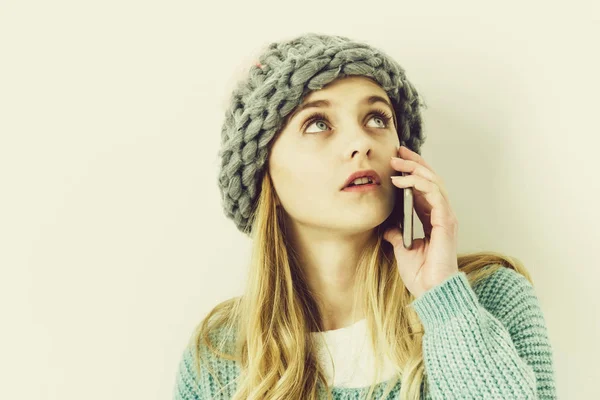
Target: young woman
(336, 306)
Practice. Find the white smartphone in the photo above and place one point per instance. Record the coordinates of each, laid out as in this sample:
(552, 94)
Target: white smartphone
(407, 223)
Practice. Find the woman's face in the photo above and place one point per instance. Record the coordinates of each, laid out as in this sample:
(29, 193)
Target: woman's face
(312, 157)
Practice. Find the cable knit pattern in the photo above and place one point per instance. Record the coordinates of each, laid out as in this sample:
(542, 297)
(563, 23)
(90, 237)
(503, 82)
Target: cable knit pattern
(488, 341)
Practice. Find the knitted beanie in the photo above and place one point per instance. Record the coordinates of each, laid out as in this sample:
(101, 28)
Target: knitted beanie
(284, 74)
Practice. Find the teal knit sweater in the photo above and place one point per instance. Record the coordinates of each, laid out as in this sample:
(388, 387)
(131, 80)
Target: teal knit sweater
(488, 341)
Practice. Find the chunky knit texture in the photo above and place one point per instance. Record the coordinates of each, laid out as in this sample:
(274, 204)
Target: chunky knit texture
(283, 75)
(488, 341)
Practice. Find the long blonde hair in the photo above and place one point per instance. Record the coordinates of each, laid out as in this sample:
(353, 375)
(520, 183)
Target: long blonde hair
(273, 318)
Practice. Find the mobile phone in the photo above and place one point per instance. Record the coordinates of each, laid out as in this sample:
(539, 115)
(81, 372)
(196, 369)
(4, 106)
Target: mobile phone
(407, 216)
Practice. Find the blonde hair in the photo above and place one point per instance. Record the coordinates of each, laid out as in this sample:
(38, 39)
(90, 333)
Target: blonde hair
(273, 318)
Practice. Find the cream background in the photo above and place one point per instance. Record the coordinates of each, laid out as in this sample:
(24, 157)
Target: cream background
(113, 242)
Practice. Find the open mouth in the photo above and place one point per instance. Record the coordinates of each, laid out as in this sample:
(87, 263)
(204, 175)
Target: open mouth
(360, 187)
(363, 178)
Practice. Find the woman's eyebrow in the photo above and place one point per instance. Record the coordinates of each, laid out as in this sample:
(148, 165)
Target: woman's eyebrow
(325, 103)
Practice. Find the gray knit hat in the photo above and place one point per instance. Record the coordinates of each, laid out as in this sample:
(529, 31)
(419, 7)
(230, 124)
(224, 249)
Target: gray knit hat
(284, 74)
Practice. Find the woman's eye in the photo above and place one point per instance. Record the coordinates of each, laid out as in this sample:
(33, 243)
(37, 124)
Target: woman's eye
(319, 121)
(383, 122)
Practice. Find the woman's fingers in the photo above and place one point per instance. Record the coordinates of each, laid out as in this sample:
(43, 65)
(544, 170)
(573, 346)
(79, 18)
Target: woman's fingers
(416, 168)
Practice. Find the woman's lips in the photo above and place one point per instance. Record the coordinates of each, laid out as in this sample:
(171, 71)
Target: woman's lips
(361, 188)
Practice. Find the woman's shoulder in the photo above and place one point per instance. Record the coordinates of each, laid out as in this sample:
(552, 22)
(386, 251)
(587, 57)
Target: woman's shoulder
(495, 287)
(200, 364)
(501, 282)
(508, 295)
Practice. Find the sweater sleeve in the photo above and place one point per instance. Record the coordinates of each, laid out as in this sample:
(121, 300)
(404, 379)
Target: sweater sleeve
(187, 386)
(488, 342)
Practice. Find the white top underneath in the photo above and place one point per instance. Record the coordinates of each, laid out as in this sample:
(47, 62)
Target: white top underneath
(352, 355)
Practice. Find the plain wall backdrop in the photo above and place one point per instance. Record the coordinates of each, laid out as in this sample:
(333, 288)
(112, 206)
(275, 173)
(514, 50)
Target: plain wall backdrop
(113, 243)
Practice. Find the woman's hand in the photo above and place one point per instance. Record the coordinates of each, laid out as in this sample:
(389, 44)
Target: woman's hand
(433, 259)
